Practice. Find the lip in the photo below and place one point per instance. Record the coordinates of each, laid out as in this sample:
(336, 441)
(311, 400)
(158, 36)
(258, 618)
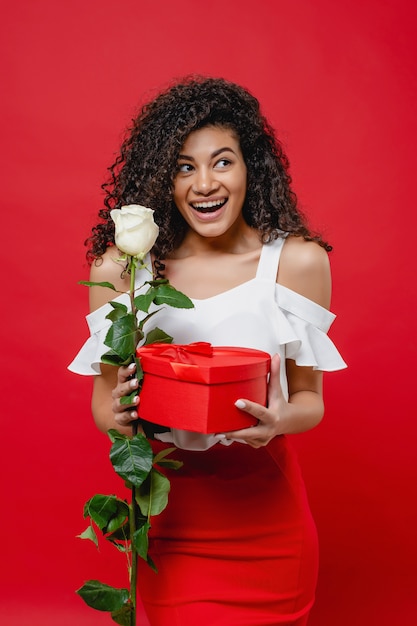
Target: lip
(209, 215)
(209, 200)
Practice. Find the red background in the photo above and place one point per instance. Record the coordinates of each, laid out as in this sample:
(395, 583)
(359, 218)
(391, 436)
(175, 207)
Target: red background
(338, 81)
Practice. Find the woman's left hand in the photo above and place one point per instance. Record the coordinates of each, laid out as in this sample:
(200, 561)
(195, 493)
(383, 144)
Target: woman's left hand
(270, 417)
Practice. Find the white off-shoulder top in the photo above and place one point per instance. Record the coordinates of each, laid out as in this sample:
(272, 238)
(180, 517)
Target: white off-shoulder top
(259, 313)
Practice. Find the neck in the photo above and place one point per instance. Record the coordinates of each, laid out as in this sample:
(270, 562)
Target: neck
(245, 240)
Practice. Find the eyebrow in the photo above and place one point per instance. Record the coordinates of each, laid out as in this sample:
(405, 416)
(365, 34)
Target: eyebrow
(212, 156)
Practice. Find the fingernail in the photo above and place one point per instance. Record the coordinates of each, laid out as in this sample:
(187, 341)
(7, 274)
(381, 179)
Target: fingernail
(131, 367)
(133, 383)
(221, 436)
(240, 404)
(134, 414)
(136, 400)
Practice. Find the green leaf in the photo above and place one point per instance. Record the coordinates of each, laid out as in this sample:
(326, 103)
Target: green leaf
(141, 541)
(157, 282)
(162, 454)
(121, 546)
(160, 459)
(89, 283)
(132, 458)
(141, 520)
(152, 564)
(143, 321)
(171, 464)
(118, 305)
(157, 336)
(120, 534)
(111, 358)
(114, 434)
(108, 512)
(123, 616)
(153, 493)
(128, 399)
(167, 294)
(103, 597)
(144, 301)
(90, 534)
(139, 371)
(121, 336)
(119, 310)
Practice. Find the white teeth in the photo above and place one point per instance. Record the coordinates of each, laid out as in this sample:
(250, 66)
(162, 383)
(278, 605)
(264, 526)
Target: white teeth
(207, 205)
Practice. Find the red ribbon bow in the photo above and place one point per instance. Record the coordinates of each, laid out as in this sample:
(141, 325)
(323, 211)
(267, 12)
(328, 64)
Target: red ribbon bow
(180, 357)
(179, 352)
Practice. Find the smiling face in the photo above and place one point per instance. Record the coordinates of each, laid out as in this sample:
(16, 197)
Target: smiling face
(210, 184)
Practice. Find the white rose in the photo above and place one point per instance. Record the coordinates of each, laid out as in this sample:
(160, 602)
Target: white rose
(135, 230)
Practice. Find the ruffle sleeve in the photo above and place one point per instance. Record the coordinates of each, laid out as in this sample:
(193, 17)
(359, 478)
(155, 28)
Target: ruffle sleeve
(87, 362)
(303, 328)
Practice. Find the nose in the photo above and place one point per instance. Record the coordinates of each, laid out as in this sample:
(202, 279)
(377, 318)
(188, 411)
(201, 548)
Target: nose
(204, 181)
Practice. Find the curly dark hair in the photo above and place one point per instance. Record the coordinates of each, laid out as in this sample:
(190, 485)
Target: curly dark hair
(144, 171)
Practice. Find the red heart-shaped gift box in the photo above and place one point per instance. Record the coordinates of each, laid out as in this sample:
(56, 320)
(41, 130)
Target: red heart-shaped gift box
(194, 386)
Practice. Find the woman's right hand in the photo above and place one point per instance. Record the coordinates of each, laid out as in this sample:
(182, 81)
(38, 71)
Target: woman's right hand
(125, 414)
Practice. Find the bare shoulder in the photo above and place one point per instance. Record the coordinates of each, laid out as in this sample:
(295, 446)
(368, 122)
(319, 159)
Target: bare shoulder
(305, 268)
(108, 268)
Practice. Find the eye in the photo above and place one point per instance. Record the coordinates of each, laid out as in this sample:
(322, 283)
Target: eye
(221, 163)
(185, 168)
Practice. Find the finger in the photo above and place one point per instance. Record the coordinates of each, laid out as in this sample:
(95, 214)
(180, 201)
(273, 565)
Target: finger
(274, 386)
(119, 407)
(258, 433)
(125, 388)
(243, 433)
(125, 372)
(256, 436)
(125, 414)
(252, 408)
(125, 418)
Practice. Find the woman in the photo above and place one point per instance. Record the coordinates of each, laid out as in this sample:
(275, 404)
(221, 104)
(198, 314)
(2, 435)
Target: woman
(237, 543)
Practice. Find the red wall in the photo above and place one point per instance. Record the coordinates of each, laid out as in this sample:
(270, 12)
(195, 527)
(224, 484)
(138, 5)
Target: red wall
(338, 80)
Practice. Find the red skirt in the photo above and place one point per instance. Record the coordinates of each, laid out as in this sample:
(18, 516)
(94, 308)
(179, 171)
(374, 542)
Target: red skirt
(236, 545)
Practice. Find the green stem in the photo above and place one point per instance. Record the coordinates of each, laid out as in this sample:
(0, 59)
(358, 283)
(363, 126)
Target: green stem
(150, 497)
(134, 511)
(134, 506)
(132, 268)
(134, 560)
(133, 264)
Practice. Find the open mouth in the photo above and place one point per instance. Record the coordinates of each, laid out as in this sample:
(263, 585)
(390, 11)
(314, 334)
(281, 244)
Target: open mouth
(208, 206)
